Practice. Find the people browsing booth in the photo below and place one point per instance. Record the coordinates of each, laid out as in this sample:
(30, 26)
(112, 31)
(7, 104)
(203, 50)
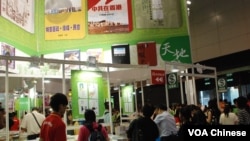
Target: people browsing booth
(91, 130)
(143, 128)
(54, 128)
(32, 122)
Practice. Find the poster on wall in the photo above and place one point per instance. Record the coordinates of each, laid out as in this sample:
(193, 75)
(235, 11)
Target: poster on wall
(109, 16)
(127, 99)
(19, 12)
(97, 53)
(7, 50)
(120, 54)
(88, 92)
(64, 19)
(158, 13)
(72, 55)
(146, 53)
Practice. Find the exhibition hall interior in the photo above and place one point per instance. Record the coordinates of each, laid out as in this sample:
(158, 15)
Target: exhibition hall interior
(126, 53)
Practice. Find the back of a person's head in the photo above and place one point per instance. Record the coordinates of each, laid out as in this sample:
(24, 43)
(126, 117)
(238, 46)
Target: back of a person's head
(162, 107)
(212, 103)
(241, 102)
(148, 110)
(106, 105)
(90, 115)
(58, 99)
(2, 110)
(35, 108)
(185, 113)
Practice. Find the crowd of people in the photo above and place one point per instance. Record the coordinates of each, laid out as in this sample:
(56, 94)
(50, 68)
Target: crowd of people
(171, 122)
(156, 122)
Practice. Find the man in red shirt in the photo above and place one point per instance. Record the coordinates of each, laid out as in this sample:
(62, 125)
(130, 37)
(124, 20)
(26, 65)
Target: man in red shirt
(53, 127)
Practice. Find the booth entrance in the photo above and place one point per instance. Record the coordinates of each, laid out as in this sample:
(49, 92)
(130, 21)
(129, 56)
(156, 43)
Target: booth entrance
(184, 76)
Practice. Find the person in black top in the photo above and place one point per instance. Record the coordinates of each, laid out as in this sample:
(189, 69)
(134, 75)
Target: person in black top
(143, 128)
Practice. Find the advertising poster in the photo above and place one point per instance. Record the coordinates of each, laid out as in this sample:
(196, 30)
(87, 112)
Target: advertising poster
(120, 54)
(19, 12)
(127, 99)
(89, 91)
(158, 13)
(72, 55)
(146, 53)
(64, 19)
(97, 53)
(7, 50)
(109, 16)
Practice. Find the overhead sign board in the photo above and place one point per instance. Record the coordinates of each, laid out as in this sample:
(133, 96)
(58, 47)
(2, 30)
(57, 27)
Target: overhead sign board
(158, 76)
(172, 80)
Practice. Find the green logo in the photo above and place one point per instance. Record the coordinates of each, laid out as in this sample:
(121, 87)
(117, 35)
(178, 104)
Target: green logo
(176, 49)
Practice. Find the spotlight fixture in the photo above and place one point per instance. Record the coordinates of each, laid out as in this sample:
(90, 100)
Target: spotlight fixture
(189, 2)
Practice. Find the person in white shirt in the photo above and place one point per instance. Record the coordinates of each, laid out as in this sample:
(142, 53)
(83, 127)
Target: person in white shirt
(30, 125)
(228, 117)
(165, 122)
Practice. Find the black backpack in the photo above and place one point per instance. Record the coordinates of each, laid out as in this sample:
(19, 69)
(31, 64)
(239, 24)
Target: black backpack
(96, 134)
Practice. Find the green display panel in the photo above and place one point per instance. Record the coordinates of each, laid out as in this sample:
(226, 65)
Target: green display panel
(127, 99)
(89, 91)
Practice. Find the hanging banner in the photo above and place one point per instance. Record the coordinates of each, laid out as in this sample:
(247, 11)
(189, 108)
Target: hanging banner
(127, 99)
(109, 16)
(172, 81)
(176, 49)
(64, 19)
(89, 91)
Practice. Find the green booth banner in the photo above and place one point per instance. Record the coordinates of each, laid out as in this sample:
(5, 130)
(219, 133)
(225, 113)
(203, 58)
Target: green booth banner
(89, 91)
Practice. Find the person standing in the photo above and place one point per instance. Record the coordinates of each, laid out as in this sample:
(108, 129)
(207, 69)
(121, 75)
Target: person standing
(16, 122)
(107, 114)
(145, 125)
(213, 112)
(165, 122)
(90, 125)
(243, 111)
(53, 127)
(227, 117)
(31, 123)
(2, 118)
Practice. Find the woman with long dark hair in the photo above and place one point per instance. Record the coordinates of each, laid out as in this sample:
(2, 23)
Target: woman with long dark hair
(89, 126)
